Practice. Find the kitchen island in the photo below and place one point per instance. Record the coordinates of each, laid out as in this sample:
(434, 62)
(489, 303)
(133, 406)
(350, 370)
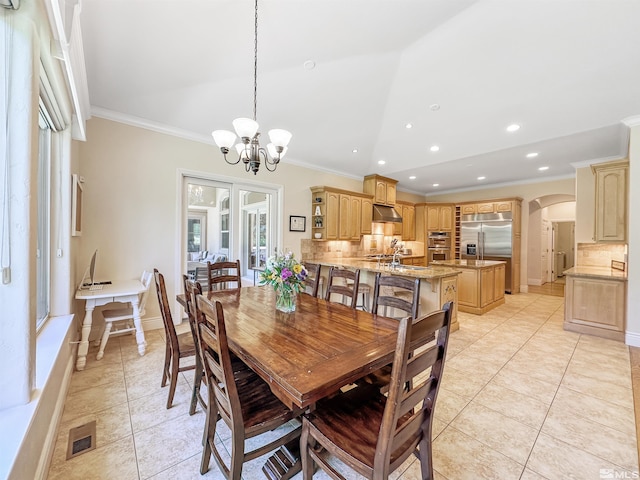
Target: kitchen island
(480, 285)
(595, 301)
(438, 285)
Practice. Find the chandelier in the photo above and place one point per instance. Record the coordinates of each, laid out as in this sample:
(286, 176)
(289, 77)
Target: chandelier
(249, 150)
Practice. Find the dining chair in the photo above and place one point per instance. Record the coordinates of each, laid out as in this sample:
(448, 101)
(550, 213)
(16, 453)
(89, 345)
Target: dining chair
(191, 290)
(242, 400)
(223, 272)
(177, 347)
(313, 280)
(120, 320)
(373, 433)
(343, 282)
(390, 292)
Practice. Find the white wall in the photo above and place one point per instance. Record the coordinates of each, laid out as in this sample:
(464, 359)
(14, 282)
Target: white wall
(633, 286)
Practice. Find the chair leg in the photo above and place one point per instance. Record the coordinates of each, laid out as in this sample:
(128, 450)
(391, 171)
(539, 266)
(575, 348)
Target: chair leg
(237, 456)
(167, 362)
(208, 437)
(173, 381)
(105, 338)
(197, 382)
(425, 457)
(307, 462)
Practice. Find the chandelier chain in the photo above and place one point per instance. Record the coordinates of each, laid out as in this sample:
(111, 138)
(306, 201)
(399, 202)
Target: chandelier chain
(255, 66)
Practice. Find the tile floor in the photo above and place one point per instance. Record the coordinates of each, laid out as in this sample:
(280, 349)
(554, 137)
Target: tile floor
(520, 399)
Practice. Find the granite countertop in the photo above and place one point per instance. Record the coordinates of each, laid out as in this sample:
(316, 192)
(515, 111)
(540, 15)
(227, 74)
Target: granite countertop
(596, 272)
(404, 270)
(477, 264)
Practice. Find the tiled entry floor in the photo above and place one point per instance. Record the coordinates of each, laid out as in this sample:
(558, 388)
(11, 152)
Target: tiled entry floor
(520, 399)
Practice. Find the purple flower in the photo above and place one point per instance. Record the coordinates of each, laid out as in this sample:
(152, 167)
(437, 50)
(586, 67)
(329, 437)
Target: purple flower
(286, 273)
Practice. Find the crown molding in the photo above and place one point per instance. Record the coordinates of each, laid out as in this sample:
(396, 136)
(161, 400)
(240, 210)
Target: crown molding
(593, 161)
(632, 121)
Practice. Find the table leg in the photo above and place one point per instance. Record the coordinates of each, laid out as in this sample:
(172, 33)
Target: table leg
(285, 462)
(142, 344)
(83, 348)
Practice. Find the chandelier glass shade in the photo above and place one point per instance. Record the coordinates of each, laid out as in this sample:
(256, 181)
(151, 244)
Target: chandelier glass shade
(248, 149)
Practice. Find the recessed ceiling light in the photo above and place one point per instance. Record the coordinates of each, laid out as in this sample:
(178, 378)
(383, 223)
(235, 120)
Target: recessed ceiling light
(309, 65)
(513, 127)
(436, 185)
(532, 155)
(412, 177)
(434, 148)
(355, 150)
(542, 169)
(409, 125)
(481, 178)
(434, 107)
(381, 162)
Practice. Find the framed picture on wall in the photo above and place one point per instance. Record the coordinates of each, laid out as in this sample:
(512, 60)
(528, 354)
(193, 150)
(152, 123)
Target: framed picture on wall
(76, 205)
(297, 223)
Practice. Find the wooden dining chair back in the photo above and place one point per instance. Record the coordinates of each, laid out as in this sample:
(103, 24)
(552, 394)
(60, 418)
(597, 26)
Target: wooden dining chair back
(312, 281)
(177, 346)
(372, 433)
(239, 397)
(220, 274)
(191, 290)
(396, 292)
(122, 320)
(343, 282)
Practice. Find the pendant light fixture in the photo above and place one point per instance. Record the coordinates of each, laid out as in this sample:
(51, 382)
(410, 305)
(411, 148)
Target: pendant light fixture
(249, 150)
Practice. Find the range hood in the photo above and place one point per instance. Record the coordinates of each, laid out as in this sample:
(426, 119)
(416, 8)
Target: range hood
(385, 214)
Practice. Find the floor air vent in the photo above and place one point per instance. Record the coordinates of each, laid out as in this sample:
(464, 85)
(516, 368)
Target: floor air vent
(82, 439)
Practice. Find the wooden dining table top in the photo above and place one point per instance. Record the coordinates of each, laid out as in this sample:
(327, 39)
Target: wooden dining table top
(310, 353)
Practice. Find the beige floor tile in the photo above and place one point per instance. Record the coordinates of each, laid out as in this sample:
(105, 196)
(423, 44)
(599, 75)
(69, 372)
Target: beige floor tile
(554, 459)
(189, 469)
(93, 377)
(152, 409)
(601, 441)
(115, 460)
(523, 383)
(112, 424)
(600, 388)
(463, 383)
(458, 456)
(169, 443)
(531, 475)
(449, 405)
(598, 410)
(503, 434)
(523, 408)
(94, 399)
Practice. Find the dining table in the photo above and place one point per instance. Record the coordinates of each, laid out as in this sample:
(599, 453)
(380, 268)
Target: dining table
(304, 355)
(307, 354)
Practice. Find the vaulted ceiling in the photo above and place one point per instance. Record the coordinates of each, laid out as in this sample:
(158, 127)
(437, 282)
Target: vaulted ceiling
(459, 71)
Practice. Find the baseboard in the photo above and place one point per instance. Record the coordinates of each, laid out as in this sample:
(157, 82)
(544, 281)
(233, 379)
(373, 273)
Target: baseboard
(534, 281)
(632, 339)
(50, 440)
(152, 323)
(524, 288)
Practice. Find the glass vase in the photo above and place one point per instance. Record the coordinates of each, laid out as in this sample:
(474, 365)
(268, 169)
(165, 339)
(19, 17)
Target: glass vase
(286, 300)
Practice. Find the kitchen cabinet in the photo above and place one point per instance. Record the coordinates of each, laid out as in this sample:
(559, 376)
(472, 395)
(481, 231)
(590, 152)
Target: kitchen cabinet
(382, 188)
(611, 201)
(595, 302)
(407, 229)
(440, 217)
(340, 214)
(468, 209)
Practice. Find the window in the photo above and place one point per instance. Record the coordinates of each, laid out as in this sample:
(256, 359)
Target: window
(43, 265)
(224, 223)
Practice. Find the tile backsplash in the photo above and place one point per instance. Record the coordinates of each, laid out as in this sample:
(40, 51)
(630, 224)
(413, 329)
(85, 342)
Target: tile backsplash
(369, 244)
(600, 254)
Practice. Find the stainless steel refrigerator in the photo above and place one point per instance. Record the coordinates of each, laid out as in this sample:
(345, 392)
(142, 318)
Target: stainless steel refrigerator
(487, 236)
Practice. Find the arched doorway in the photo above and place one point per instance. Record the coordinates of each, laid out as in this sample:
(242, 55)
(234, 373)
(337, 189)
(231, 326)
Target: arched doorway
(551, 242)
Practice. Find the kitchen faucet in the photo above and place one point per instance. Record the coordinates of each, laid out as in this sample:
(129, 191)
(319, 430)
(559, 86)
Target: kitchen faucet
(396, 251)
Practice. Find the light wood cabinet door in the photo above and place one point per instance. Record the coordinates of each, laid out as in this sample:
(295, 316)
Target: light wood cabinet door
(381, 192)
(486, 207)
(469, 288)
(356, 217)
(344, 217)
(446, 215)
(332, 215)
(469, 209)
(503, 207)
(498, 291)
(433, 219)
(367, 216)
(487, 289)
(611, 202)
(449, 293)
(391, 194)
(408, 223)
